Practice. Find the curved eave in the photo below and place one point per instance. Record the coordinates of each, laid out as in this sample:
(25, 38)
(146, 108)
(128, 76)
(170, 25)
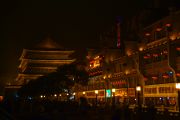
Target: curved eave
(25, 51)
(45, 68)
(24, 62)
(50, 51)
(28, 75)
(23, 54)
(49, 61)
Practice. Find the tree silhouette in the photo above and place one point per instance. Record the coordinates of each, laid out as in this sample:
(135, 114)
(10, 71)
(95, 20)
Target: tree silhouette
(57, 82)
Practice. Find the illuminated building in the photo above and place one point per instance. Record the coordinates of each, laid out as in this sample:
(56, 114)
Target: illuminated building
(102, 75)
(44, 59)
(159, 61)
(153, 64)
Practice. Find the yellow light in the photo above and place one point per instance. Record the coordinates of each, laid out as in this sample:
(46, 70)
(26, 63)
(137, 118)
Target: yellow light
(55, 95)
(74, 93)
(173, 37)
(44, 96)
(158, 29)
(1, 98)
(178, 86)
(113, 90)
(59, 94)
(138, 88)
(147, 34)
(67, 94)
(168, 25)
(96, 57)
(41, 96)
(141, 49)
(109, 75)
(129, 52)
(84, 93)
(96, 91)
(127, 72)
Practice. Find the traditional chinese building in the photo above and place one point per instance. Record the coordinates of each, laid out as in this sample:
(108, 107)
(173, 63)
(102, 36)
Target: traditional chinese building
(45, 58)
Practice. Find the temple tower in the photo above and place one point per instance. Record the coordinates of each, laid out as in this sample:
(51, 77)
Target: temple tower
(43, 59)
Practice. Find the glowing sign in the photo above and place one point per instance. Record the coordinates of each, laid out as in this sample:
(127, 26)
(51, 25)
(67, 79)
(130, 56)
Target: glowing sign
(108, 93)
(95, 62)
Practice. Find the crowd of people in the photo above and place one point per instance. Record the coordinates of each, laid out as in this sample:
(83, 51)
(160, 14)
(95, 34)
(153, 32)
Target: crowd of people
(45, 109)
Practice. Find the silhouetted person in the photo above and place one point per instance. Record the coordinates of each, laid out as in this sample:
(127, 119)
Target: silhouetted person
(166, 114)
(151, 112)
(117, 114)
(127, 114)
(139, 113)
(84, 106)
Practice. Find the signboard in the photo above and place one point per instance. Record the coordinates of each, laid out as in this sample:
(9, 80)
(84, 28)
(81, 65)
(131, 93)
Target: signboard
(108, 93)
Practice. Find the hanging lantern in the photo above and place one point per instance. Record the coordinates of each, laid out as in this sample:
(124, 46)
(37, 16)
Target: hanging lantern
(154, 78)
(145, 79)
(178, 48)
(155, 55)
(178, 74)
(168, 25)
(158, 29)
(145, 57)
(165, 76)
(147, 34)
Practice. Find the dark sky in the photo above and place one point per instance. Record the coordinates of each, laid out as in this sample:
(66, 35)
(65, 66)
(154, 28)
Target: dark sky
(72, 23)
(69, 22)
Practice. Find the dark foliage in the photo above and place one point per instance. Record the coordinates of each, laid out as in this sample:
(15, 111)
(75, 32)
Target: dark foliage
(65, 78)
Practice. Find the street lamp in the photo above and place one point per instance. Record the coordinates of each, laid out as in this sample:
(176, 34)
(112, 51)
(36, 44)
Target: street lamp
(178, 91)
(96, 92)
(41, 96)
(84, 93)
(113, 91)
(60, 96)
(55, 95)
(67, 96)
(138, 89)
(74, 96)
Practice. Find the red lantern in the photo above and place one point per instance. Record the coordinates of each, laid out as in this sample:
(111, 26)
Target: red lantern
(165, 76)
(145, 79)
(168, 25)
(146, 57)
(155, 55)
(158, 29)
(154, 78)
(178, 48)
(178, 74)
(147, 34)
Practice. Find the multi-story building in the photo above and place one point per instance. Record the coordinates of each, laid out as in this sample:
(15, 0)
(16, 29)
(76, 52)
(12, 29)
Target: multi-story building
(45, 58)
(152, 64)
(100, 69)
(159, 61)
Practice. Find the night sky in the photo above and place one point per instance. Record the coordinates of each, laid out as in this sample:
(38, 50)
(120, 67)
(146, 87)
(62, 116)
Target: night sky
(71, 23)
